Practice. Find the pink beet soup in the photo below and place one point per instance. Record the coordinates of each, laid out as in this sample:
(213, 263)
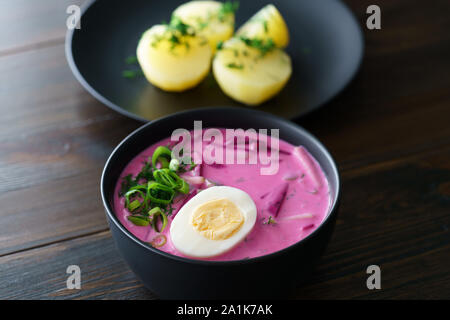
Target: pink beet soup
(290, 204)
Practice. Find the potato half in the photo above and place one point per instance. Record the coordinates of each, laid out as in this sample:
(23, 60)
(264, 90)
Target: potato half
(267, 23)
(173, 60)
(212, 19)
(247, 74)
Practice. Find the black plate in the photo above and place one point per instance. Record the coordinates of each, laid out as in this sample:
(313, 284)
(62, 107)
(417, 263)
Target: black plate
(326, 48)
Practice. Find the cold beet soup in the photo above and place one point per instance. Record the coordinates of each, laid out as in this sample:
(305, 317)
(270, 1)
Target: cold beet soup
(213, 201)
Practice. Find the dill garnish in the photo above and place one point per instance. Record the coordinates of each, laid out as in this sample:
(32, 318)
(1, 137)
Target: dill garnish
(178, 26)
(220, 45)
(264, 46)
(176, 30)
(131, 60)
(266, 26)
(270, 221)
(233, 65)
(226, 9)
(131, 74)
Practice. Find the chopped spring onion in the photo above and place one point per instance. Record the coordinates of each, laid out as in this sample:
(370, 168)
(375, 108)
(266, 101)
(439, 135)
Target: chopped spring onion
(139, 220)
(152, 199)
(161, 152)
(163, 176)
(141, 187)
(164, 162)
(171, 179)
(184, 187)
(158, 241)
(135, 204)
(154, 213)
(159, 193)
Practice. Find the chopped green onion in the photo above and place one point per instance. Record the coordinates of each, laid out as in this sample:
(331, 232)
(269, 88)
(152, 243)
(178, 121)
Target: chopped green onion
(158, 241)
(154, 213)
(139, 221)
(141, 187)
(133, 205)
(163, 176)
(164, 162)
(161, 151)
(184, 188)
(159, 193)
(146, 201)
(174, 164)
(171, 179)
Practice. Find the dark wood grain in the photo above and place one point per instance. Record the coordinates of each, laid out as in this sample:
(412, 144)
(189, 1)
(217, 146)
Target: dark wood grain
(52, 156)
(395, 215)
(103, 273)
(389, 132)
(399, 101)
(31, 24)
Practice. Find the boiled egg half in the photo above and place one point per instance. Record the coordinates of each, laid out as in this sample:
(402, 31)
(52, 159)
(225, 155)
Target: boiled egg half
(213, 222)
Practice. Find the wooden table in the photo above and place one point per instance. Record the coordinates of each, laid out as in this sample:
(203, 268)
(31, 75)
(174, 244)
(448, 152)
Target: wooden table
(389, 132)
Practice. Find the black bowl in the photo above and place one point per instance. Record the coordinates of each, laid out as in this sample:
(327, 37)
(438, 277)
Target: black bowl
(169, 276)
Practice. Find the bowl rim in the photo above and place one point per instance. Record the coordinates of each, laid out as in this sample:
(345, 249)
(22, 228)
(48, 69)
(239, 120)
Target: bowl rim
(112, 216)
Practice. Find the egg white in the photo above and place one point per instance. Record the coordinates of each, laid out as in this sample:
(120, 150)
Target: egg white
(193, 244)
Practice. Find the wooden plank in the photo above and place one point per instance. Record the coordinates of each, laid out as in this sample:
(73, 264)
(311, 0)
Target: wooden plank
(31, 24)
(394, 215)
(51, 158)
(51, 212)
(39, 94)
(400, 100)
(41, 273)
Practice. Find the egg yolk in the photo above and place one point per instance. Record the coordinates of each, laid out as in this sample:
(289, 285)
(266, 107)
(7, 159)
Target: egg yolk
(217, 219)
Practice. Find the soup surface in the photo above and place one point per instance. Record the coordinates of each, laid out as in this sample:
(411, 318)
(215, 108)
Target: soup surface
(290, 204)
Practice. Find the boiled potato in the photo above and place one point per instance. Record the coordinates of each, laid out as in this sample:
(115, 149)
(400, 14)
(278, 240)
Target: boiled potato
(172, 58)
(267, 23)
(212, 19)
(248, 73)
